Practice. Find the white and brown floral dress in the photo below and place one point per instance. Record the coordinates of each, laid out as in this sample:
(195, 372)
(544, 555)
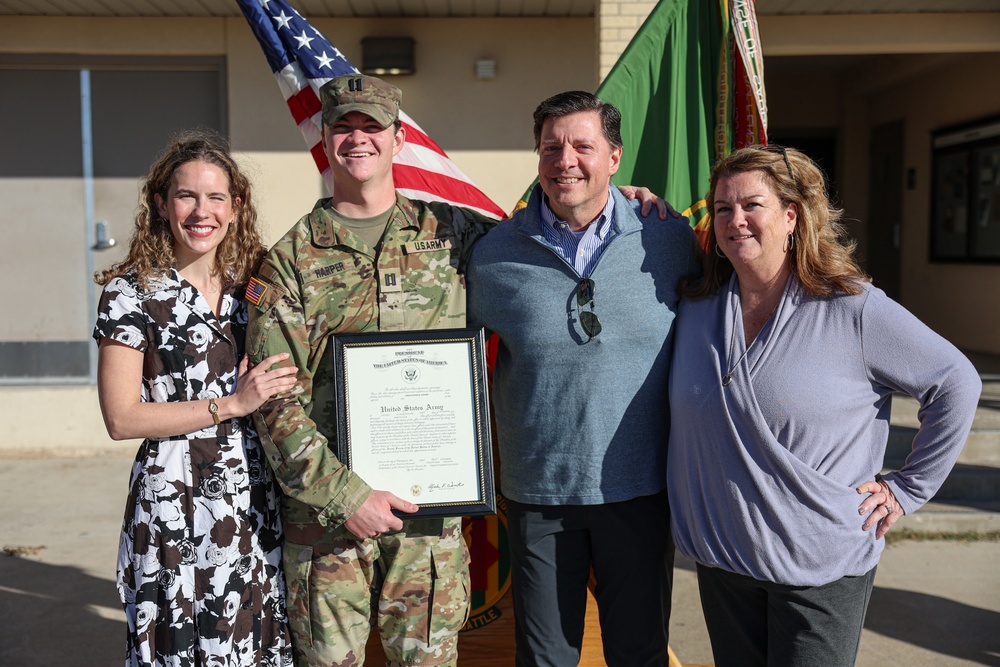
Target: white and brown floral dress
(199, 564)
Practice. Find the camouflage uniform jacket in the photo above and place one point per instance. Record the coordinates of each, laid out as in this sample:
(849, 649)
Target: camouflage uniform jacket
(322, 279)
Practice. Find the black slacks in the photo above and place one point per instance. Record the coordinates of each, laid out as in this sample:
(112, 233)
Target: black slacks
(553, 548)
(755, 623)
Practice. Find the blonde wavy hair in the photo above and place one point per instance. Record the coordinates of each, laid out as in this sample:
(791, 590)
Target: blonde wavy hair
(151, 248)
(823, 259)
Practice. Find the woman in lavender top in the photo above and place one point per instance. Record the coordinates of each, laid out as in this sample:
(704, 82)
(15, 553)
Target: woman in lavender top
(785, 362)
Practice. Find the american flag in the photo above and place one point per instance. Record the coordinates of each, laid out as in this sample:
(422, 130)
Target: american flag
(302, 60)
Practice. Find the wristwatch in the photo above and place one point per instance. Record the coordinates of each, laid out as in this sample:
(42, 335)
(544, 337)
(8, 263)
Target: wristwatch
(213, 407)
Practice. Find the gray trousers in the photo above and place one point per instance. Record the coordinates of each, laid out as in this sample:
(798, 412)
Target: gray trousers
(754, 623)
(553, 549)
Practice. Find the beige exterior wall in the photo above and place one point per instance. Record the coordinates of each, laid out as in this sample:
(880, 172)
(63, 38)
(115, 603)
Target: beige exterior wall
(932, 71)
(951, 298)
(617, 23)
(485, 125)
(56, 421)
(841, 34)
(960, 301)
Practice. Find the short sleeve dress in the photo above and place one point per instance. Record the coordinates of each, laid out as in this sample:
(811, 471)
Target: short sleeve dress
(199, 564)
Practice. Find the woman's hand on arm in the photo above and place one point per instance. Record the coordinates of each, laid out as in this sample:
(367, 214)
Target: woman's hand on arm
(126, 416)
(256, 385)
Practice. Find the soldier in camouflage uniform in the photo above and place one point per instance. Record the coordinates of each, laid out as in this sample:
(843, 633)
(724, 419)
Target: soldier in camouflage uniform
(359, 262)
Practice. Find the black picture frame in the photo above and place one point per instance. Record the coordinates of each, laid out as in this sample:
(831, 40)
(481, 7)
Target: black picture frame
(421, 438)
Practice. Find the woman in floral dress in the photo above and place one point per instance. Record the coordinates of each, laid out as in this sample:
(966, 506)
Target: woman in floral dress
(199, 565)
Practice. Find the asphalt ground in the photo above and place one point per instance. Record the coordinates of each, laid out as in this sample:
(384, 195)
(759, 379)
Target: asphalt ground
(935, 602)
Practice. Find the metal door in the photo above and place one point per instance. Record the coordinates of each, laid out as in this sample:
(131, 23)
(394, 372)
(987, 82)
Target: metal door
(75, 140)
(885, 207)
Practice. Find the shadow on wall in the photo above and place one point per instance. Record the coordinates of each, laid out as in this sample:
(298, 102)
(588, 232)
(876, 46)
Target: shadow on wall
(51, 615)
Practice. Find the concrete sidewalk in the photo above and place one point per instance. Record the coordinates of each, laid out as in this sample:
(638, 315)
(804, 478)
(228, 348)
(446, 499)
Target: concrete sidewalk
(935, 603)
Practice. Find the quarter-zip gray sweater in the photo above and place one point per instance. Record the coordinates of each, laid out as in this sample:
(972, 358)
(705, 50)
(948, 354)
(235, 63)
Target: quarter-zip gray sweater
(581, 421)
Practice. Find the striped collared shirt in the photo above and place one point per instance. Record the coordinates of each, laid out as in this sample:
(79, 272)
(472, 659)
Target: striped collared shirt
(581, 249)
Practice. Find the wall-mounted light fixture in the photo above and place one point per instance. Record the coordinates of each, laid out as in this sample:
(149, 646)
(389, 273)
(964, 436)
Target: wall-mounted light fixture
(387, 55)
(486, 68)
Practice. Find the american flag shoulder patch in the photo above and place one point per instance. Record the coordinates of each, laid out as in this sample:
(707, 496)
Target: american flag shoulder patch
(255, 291)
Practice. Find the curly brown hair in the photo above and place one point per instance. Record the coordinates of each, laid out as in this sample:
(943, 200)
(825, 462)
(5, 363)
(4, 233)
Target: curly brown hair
(151, 248)
(823, 260)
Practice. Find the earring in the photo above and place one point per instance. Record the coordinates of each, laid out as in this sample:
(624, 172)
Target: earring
(790, 244)
(719, 252)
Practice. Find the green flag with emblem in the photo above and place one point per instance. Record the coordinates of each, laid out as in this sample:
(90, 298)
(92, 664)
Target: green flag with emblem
(666, 86)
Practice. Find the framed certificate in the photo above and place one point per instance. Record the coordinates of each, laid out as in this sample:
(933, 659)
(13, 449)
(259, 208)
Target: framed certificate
(413, 417)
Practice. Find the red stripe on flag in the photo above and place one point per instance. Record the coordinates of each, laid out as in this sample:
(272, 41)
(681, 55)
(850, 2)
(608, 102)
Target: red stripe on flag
(319, 157)
(303, 105)
(748, 128)
(460, 192)
(415, 136)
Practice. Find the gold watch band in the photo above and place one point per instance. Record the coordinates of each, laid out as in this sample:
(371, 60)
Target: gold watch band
(213, 407)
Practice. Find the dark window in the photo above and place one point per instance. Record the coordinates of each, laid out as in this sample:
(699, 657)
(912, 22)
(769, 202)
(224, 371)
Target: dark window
(965, 197)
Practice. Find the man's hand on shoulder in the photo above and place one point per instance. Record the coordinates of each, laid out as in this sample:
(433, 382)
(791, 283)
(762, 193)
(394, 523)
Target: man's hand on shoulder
(375, 516)
(648, 200)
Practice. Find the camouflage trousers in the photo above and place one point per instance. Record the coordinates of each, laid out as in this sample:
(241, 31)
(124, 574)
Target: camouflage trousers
(413, 584)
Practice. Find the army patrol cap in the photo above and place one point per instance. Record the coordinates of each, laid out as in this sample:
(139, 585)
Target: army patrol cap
(357, 92)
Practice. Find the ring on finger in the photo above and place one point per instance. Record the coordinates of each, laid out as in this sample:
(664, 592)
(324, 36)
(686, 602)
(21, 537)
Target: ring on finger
(888, 509)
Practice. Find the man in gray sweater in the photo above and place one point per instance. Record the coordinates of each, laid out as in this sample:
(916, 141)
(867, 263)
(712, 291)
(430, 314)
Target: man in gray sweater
(582, 291)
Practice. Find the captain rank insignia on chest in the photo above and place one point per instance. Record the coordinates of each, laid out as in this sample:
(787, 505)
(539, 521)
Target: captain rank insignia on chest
(390, 281)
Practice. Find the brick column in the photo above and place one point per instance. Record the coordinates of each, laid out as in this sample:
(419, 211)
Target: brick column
(617, 22)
